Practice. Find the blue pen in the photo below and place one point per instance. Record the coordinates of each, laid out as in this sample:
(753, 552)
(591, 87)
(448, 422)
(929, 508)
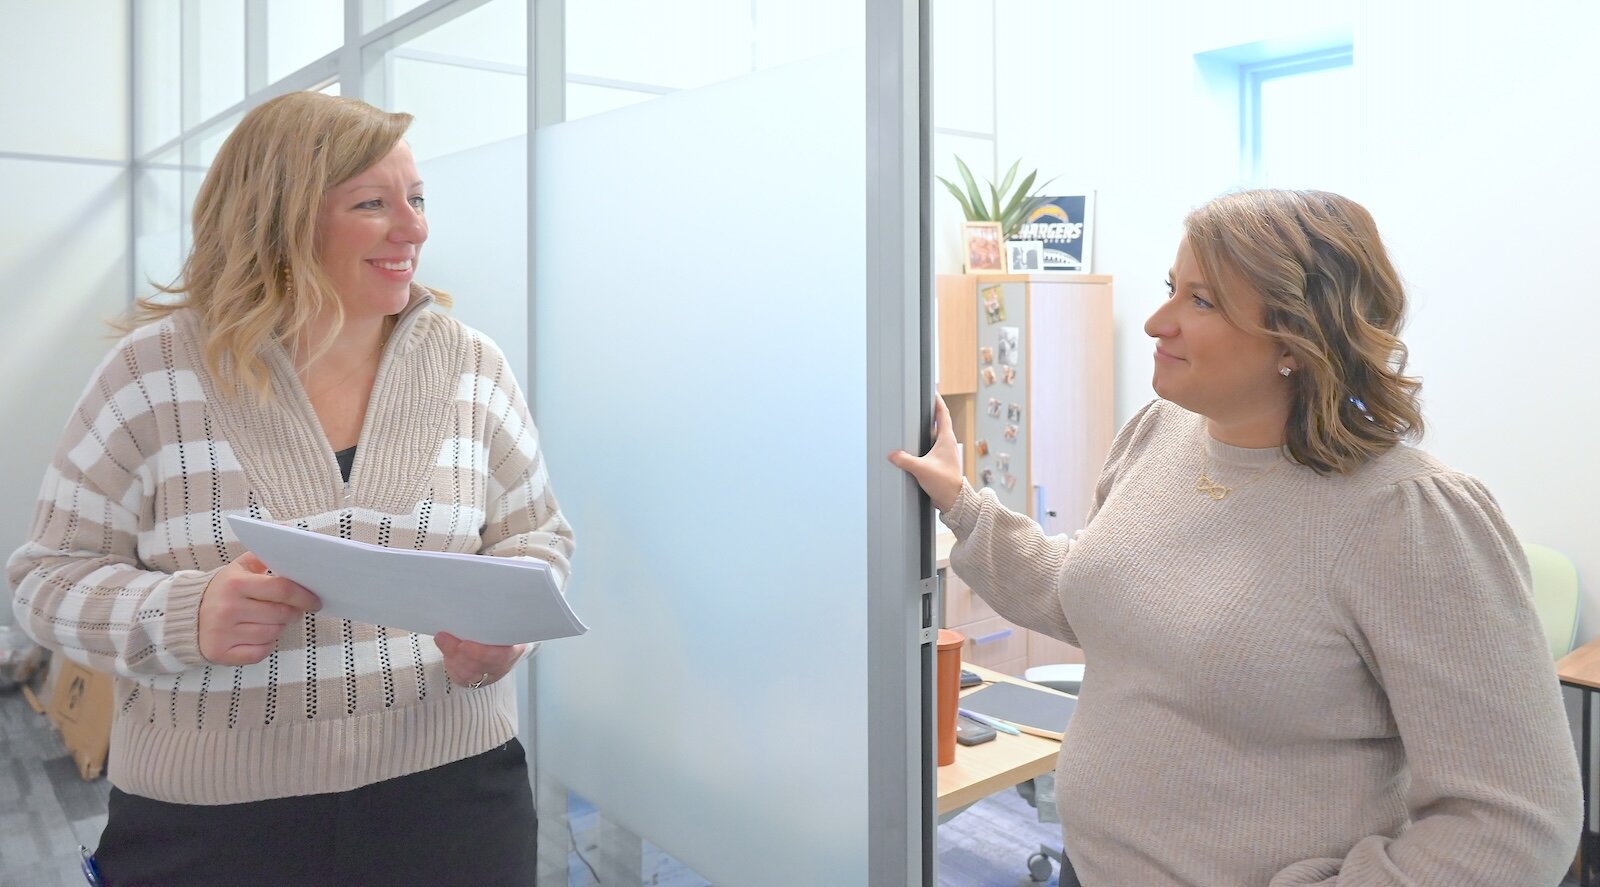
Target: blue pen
(91, 872)
(1000, 725)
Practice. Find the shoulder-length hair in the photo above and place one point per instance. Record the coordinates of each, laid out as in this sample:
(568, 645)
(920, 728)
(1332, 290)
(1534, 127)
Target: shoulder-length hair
(1331, 297)
(253, 273)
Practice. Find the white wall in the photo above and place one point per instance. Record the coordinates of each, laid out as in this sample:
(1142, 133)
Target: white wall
(64, 233)
(1478, 151)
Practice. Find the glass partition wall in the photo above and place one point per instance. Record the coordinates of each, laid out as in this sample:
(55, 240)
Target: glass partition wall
(727, 338)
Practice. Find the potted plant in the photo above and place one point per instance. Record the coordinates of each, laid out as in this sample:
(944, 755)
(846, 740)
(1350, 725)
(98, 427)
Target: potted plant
(1009, 208)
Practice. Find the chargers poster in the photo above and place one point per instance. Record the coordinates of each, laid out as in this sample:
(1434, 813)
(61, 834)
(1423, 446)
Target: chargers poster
(1065, 226)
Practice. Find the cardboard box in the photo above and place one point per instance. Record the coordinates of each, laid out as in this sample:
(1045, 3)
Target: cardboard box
(80, 706)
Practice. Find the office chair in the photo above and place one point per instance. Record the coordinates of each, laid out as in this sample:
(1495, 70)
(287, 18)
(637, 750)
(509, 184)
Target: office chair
(1067, 678)
(1556, 596)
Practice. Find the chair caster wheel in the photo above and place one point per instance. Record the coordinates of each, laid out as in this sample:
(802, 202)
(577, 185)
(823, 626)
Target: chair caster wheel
(1039, 868)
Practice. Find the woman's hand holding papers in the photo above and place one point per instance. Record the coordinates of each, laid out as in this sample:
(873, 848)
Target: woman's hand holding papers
(244, 609)
(474, 665)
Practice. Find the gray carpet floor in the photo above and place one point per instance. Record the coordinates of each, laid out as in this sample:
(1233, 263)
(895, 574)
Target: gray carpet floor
(46, 809)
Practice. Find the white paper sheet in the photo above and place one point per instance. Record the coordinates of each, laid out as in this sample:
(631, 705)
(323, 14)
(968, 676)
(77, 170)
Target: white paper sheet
(490, 600)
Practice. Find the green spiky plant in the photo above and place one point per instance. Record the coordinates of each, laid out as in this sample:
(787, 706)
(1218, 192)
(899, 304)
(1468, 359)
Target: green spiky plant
(1009, 208)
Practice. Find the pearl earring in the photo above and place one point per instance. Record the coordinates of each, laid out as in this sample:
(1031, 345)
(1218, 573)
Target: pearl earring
(1284, 371)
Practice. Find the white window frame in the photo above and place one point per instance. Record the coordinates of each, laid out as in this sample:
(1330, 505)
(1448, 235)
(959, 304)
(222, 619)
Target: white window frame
(1252, 75)
(359, 65)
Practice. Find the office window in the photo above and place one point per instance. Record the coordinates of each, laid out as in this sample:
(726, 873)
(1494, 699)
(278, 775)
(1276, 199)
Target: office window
(622, 52)
(460, 65)
(1298, 116)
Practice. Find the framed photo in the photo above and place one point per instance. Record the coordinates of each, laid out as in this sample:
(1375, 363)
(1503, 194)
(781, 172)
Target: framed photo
(1024, 256)
(1065, 228)
(982, 243)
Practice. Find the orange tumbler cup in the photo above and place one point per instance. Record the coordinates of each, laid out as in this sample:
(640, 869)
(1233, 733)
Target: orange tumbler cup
(949, 689)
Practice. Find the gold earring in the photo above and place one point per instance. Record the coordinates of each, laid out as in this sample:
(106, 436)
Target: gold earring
(288, 280)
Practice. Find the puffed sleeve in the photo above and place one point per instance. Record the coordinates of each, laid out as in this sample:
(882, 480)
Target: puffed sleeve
(1436, 597)
(1007, 558)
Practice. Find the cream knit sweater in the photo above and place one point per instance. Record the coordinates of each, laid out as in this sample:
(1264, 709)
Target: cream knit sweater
(1333, 680)
(130, 527)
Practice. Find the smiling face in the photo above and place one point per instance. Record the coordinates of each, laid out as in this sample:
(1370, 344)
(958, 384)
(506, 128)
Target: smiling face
(370, 234)
(1206, 364)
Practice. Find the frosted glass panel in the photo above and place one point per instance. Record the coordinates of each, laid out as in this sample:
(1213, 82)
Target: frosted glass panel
(477, 246)
(793, 30)
(584, 99)
(158, 244)
(494, 32)
(682, 44)
(456, 107)
(160, 60)
(465, 82)
(700, 388)
(299, 32)
(214, 38)
(380, 11)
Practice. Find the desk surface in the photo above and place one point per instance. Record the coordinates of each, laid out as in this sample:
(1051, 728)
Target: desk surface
(1582, 666)
(981, 770)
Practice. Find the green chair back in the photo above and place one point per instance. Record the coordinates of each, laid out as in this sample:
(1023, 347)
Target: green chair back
(1555, 596)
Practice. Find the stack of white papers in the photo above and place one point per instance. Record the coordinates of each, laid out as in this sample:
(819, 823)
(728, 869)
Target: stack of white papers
(490, 600)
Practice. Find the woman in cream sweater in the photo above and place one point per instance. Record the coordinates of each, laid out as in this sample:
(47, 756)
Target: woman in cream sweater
(1312, 655)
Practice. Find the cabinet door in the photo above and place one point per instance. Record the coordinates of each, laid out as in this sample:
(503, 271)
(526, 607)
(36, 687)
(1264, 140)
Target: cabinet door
(1070, 380)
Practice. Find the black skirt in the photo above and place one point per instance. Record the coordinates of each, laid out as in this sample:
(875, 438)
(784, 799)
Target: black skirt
(471, 822)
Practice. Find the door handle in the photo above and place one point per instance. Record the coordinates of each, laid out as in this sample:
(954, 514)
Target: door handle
(1038, 503)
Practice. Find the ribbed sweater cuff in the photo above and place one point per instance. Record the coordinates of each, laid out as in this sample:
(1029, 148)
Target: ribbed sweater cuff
(962, 518)
(180, 631)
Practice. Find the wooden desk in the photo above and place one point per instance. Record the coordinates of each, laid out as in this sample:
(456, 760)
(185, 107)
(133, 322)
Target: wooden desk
(981, 770)
(1580, 670)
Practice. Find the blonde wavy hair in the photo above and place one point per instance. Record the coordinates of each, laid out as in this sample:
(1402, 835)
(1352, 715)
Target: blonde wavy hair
(1330, 296)
(253, 273)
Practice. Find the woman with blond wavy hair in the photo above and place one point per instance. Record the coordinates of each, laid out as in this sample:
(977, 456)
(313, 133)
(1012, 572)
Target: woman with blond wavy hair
(1312, 657)
(300, 377)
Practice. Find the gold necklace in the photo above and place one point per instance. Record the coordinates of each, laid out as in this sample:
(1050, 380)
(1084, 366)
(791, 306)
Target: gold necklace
(366, 363)
(1216, 492)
